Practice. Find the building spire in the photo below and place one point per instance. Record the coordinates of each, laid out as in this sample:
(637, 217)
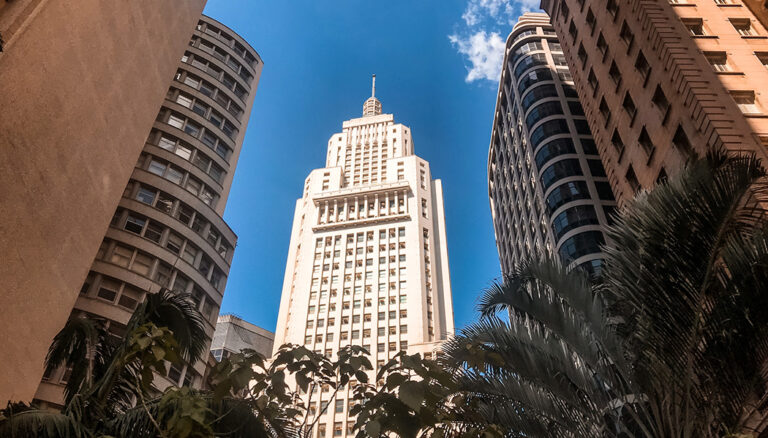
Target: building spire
(372, 106)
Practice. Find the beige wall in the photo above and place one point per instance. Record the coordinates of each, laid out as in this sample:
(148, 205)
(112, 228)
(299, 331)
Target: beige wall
(81, 84)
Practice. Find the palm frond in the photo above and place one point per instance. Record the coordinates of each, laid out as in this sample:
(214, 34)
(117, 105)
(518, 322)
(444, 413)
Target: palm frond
(178, 313)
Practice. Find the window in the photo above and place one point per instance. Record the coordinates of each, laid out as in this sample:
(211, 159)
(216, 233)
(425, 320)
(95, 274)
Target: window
(680, 141)
(660, 100)
(642, 66)
(605, 110)
(592, 80)
(746, 101)
(154, 231)
(142, 263)
(157, 167)
(743, 27)
(617, 143)
(121, 256)
(718, 61)
(629, 106)
(645, 141)
(614, 73)
(602, 45)
(146, 195)
(695, 26)
(565, 193)
(183, 100)
(626, 34)
(174, 243)
(581, 244)
(190, 253)
(632, 179)
(176, 122)
(559, 170)
(108, 289)
(135, 224)
(554, 148)
(763, 58)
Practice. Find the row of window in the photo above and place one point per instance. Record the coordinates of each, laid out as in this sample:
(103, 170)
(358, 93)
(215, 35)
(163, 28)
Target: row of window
(223, 78)
(179, 121)
(210, 90)
(175, 243)
(181, 178)
(205, 111)
(146, 265)
(222, 56)
(230, 41)
(193, 155)
(182, 212)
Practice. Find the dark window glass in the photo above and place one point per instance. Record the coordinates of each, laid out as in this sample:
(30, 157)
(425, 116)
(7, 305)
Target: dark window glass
(548, 129)
(146, 196)
(154, 231)
(572, 218)
(558, 170)
(582, 127)
(538, 93)
(552, 149)
(596, 168)
(530, 61)
(565, 193)
(135, 224)
(570, 90)
(525, 49)
(588, 145)
(604, 191)
(575, 108)
(581, 244)
(533, 77)
(539, 112)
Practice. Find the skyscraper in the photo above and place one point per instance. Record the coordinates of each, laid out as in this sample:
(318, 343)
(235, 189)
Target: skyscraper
(547, 187)
(368, 262)
(663, 81)
(80, 83)
(168, 229)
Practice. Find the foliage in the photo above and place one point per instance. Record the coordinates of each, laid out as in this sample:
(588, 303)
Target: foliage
(670, 342)
(109, 375)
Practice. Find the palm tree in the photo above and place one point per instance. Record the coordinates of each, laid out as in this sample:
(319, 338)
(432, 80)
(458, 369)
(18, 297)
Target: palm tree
(108, 376)
(672, 341)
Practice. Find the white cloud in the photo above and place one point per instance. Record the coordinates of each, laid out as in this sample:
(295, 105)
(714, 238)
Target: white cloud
(480, 40)
(484, 52)
(495, 9)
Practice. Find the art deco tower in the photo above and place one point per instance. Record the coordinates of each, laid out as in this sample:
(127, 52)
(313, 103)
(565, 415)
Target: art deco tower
(368, 261)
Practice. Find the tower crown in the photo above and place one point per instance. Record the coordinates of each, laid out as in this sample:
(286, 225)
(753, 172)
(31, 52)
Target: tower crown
(372, 106)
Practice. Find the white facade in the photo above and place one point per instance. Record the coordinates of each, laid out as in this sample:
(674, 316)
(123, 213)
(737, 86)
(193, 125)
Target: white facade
(368, 260)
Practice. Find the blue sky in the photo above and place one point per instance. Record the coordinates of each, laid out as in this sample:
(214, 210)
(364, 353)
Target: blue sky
(436, 63)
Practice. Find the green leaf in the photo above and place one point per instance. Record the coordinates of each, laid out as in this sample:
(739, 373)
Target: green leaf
(412, 394)
(373, 428)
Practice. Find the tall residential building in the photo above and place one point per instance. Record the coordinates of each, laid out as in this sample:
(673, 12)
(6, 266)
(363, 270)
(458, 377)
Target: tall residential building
(80, 83)
(368, 261)
(664, 81)
(234, 334)
(547, 187)
(168, 229)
